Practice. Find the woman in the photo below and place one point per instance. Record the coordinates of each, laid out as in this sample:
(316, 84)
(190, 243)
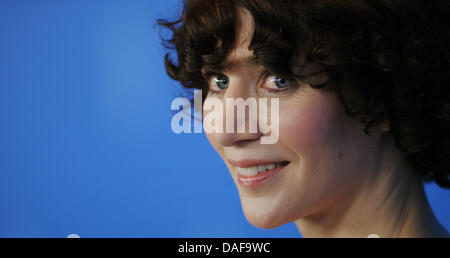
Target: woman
(364, 108)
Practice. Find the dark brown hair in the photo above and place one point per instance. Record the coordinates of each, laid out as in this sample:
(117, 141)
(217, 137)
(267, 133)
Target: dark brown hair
(385, 59)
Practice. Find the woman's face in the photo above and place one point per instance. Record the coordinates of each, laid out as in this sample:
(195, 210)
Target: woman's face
(328, 154)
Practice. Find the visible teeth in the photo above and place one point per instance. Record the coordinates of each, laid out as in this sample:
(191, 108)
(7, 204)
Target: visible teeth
(271, 166)
(261, 168)
(251, 171)
(243, 171)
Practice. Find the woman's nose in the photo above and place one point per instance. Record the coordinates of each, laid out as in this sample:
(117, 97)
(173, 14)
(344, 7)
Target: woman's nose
(236, 139)
(240, 118)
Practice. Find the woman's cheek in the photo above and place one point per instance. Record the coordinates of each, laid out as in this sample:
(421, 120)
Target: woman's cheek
(307, 125)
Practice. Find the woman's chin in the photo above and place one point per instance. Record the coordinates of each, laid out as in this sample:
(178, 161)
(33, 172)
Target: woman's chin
(263, 218)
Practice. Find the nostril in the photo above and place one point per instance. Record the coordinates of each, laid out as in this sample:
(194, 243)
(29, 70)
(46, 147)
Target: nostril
(237, 139)
(243, 142)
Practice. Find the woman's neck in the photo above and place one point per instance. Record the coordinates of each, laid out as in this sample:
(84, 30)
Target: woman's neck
(390, 203)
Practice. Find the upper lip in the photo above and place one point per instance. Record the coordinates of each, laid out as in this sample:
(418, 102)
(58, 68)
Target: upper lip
(245, 163)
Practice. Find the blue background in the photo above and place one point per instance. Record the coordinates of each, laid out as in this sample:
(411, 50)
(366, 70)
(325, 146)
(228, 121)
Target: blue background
(85, 140)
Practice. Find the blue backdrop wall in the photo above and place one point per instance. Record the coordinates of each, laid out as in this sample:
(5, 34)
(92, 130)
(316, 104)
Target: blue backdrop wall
(85, 140)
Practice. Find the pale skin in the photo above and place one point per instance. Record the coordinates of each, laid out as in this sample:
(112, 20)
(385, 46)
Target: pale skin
(340, 182)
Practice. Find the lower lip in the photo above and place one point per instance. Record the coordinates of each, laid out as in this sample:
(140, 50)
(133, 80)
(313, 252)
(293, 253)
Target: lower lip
(258, 179)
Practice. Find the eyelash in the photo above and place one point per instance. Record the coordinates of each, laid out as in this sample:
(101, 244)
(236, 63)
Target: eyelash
(265, 74)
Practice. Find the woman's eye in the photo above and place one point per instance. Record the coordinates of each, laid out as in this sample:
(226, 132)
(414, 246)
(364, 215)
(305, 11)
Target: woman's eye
(277, 83)
(220, 81)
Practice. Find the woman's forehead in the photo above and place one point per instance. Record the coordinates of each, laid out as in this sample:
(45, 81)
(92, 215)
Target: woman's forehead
(244, 27)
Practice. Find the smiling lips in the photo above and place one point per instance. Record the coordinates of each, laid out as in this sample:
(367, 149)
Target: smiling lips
(252, 173)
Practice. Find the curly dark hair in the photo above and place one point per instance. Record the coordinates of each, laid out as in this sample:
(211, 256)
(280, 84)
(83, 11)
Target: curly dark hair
(387, 60)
